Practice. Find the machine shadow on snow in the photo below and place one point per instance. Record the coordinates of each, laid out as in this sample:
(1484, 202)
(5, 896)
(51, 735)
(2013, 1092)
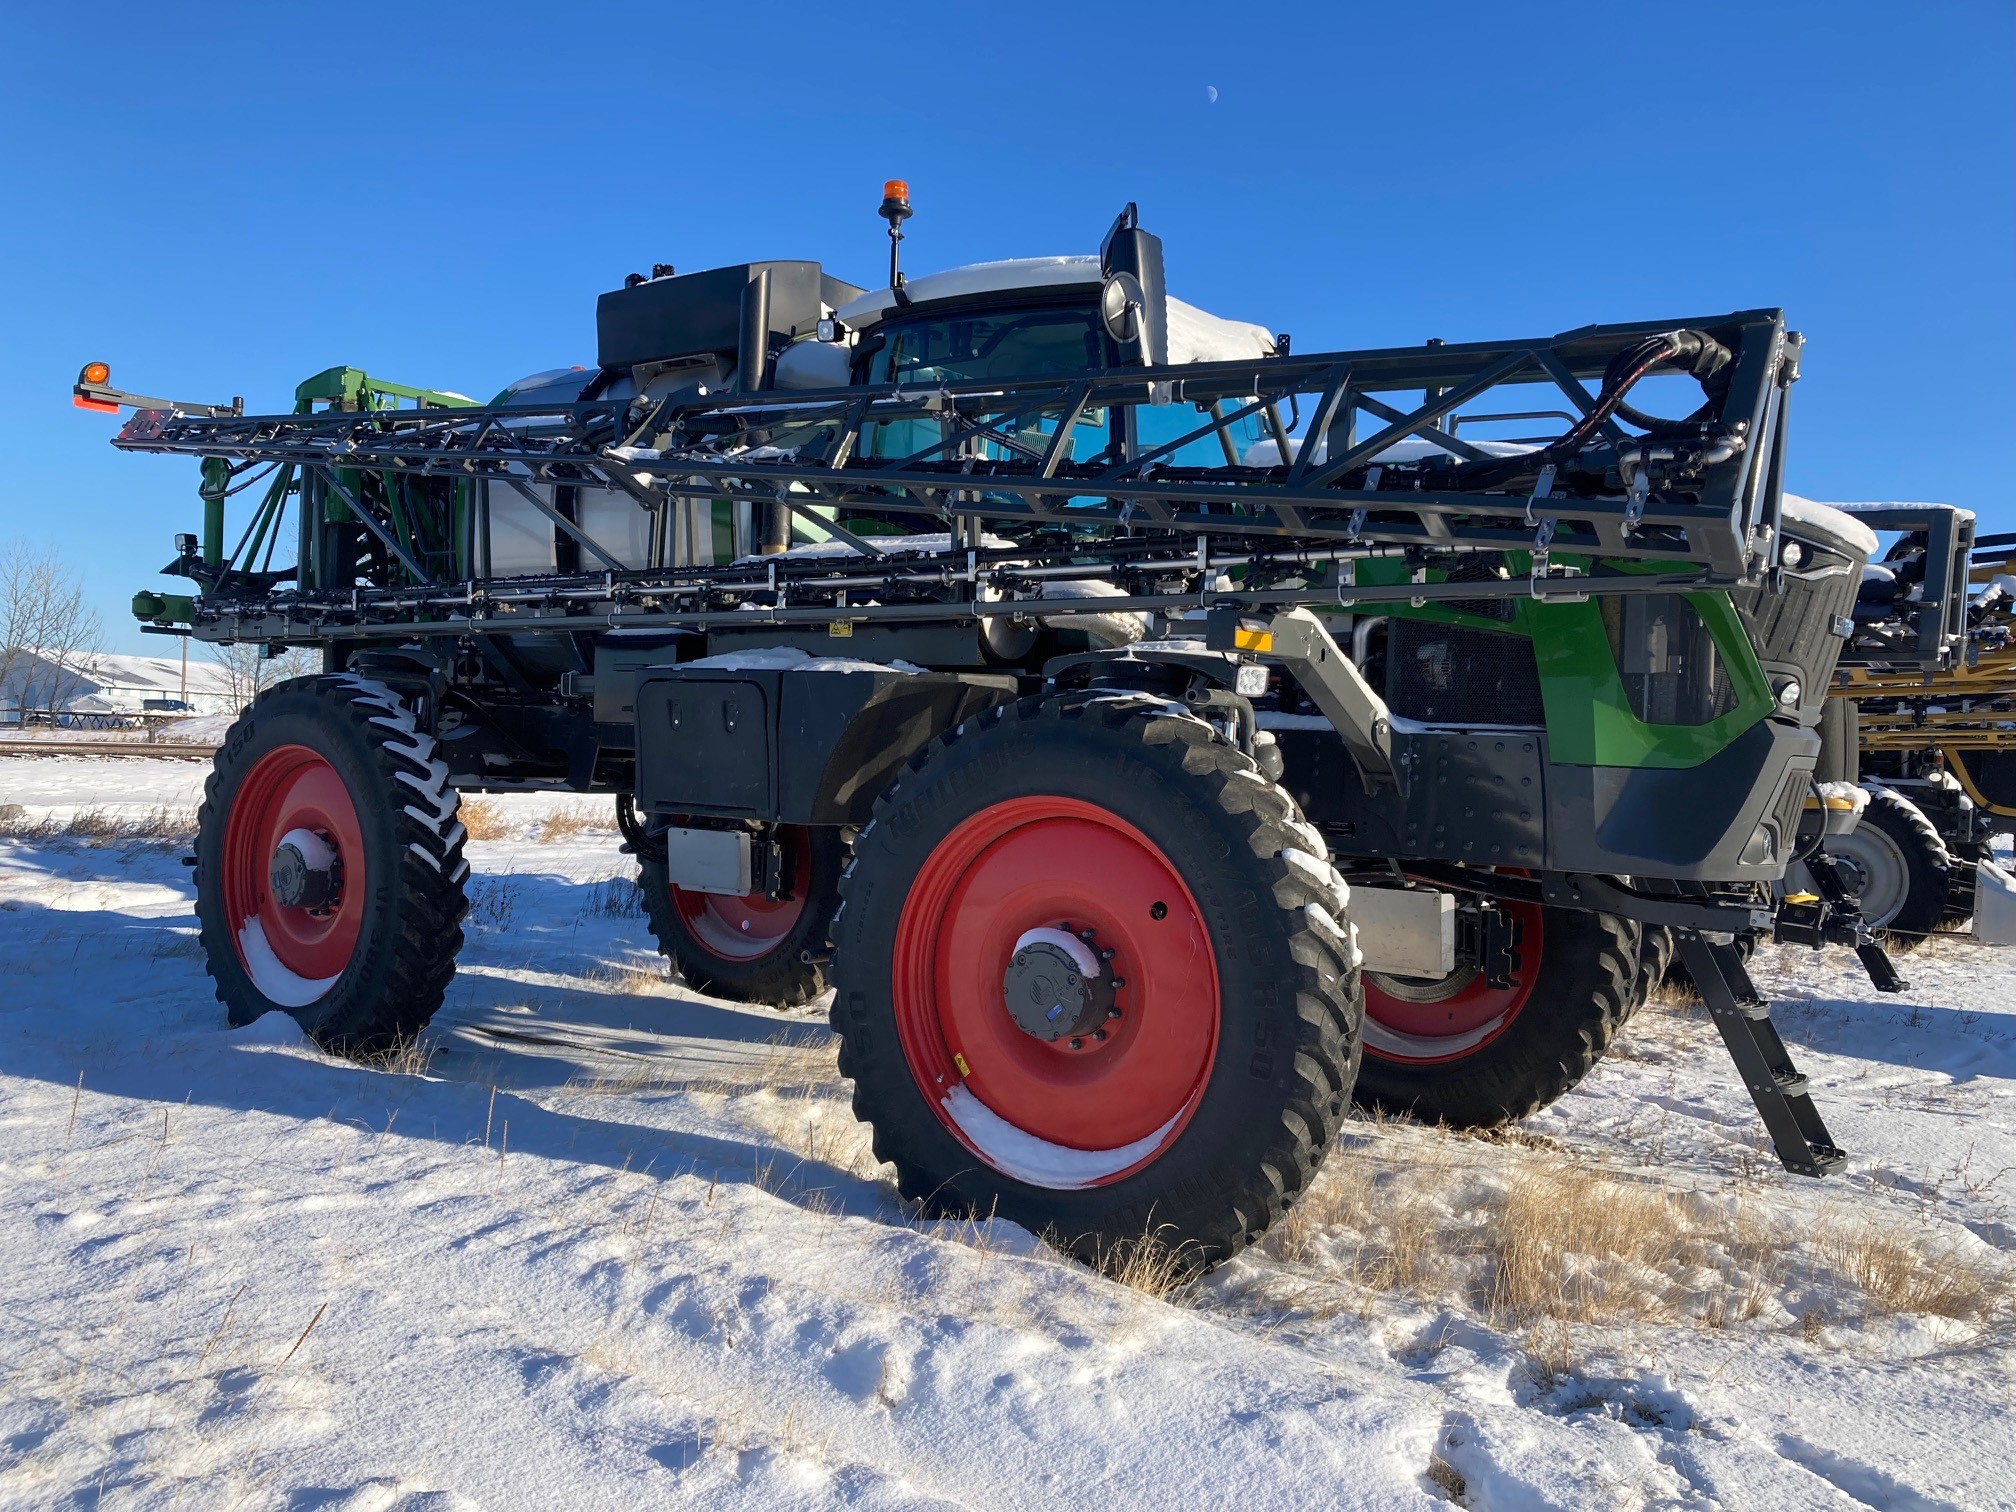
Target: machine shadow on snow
(451, 1105)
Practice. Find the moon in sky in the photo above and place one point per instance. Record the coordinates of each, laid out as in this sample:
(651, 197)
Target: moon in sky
(1211, 94)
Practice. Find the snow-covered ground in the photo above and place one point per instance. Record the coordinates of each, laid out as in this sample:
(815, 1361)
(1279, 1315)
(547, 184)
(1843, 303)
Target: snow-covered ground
(621, 1245)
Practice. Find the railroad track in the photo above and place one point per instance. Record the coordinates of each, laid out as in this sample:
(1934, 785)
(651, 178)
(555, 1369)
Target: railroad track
(181, 749)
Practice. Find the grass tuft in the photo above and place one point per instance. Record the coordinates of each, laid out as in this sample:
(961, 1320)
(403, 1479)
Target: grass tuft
(566, 823)
(484, 819)
(158, 825)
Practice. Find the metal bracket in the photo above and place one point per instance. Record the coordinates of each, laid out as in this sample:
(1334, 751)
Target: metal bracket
(1301, 641)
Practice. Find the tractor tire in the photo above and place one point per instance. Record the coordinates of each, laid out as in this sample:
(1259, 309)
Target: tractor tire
(1464, 1054)
(1655, 964)
(326, 794)
(1126, 861)
(1898, 867)
(753, 949)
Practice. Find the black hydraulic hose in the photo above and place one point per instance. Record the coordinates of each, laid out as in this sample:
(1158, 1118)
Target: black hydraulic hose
(1625, 369)
(641, 844)
(1707, 359)
(1710, 364)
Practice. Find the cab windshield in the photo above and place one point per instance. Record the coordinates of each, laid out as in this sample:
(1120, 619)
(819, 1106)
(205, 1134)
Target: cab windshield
(996, 344)
(981, 347)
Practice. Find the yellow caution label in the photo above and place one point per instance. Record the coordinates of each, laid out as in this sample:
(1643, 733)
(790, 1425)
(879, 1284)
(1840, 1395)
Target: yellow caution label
(840, 629)
(960, 1061)
(1253, 640)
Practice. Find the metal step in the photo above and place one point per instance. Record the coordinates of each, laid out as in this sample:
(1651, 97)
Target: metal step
(1777, 1087)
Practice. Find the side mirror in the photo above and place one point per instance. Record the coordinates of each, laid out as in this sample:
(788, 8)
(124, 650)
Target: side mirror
(1121, 302)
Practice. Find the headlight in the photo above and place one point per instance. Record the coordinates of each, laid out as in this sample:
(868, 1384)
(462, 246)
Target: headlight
(1789, 693)
(1250, 681)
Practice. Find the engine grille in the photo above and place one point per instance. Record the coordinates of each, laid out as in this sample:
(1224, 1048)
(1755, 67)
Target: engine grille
(1796, 627)
(1446, 674)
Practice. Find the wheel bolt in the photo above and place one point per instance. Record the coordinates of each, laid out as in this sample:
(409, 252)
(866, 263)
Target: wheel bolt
(1099, 1035)
(1077, 1044)
(1112, 1013)
(1118, 983)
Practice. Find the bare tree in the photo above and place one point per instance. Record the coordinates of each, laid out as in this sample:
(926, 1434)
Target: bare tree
(48, 631)
(249, 671)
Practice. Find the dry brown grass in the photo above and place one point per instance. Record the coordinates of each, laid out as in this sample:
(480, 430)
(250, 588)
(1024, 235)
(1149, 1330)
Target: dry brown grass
(566, 823)
(407, 1056)
(484, 819)
(1539, 1244)
(1153, 1267)
(631, 978)
(1569, 1245)
(100, 825)
(490, 819)
(1900, 1272)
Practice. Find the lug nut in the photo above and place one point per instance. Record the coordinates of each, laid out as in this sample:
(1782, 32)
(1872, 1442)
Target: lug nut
(1077, 1044)
(1118, 983)
(1099, 1035)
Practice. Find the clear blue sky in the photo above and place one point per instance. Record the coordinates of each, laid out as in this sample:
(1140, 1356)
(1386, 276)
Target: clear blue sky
(223, 200)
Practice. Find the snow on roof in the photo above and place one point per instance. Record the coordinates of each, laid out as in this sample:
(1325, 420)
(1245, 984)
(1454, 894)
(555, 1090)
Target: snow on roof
(1194, 335)
(975, 278)
(150, 676)
(155, 674)
(1828, 518)
(1868, 505)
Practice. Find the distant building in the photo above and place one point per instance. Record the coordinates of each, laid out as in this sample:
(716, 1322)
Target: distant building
(108, 689)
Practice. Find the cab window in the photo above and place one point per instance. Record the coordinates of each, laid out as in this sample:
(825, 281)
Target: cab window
(970, 348)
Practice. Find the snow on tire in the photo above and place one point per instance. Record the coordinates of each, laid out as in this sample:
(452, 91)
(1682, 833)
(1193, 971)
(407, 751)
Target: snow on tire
(329, 868)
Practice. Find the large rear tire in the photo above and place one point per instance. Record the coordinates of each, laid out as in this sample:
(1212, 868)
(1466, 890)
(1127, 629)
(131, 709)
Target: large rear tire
(1126, 861)
(1463, 1053)
(755, 949)
(329, 865)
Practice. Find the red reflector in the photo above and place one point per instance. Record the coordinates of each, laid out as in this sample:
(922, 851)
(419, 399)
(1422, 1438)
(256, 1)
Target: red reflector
(100, 405)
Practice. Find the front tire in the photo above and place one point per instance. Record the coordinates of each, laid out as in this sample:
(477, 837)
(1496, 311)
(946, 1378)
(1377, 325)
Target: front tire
(1187, 1109)
(1465, 1054)
(329, 869)
(1898, 867)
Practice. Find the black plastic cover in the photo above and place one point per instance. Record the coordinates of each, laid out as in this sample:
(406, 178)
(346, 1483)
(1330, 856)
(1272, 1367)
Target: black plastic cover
(696, 313)
(791, 746)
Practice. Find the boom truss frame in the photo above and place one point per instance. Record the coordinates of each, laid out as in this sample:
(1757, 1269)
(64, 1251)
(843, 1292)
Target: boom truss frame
(1702, 513)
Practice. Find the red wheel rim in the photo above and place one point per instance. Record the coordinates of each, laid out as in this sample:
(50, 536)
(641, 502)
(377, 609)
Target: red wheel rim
(1045, 1112)
(746, 928)
(1447, 1021)
(292, 955)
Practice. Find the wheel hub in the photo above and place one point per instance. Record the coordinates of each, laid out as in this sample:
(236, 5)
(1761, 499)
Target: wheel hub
(303, 871)
(1057, 987)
